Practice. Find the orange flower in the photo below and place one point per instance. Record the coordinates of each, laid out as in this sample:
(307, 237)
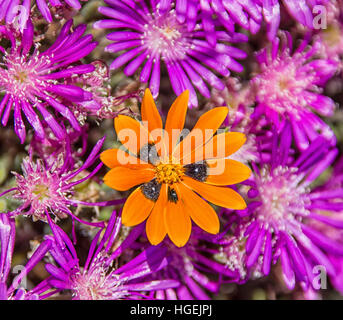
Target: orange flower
(173, 176)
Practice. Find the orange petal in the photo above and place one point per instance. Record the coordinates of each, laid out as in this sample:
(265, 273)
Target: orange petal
(206, 126)
(176, 119)
(149, 112)
(131, 133)
(226, 171)
(136, 208)
(155, 229)
(200, 211)
(118, 157)
(221, 196)
(152, 121)
(177, 222)
(122, 178)
(221, 146)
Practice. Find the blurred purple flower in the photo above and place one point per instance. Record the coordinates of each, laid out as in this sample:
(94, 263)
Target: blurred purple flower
(50, 148)
(193, 267)
(288, 88)
(151, 37)
(103, 104)
(333, 190)
(300, 10)
(249, 14)
(231, 253)
(245, 13)
(282, 202)
(98, 279)
(330, 38)
(19, 11)
(31, 82)
(46, 191)
(7, 239)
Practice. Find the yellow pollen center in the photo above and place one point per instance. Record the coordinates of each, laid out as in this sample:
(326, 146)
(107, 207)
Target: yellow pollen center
(42, 191)
(332, 35)
(170, 34)
(169, 172)
(283, 84)
(21, 76)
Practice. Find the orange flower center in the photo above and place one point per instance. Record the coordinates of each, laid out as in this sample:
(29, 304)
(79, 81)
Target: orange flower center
(169, 172)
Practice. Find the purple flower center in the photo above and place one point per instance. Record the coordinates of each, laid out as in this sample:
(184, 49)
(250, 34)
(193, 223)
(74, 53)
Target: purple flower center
(283, 197)
(282, 84)
(332, 36)
(21, 76)
(233, 256)
(40, 188)
(164, 35)
(97, 283)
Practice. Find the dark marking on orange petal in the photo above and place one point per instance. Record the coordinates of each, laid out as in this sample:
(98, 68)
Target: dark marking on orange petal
(148, 153)
(197, 171)
(172, 195)
(151, 190)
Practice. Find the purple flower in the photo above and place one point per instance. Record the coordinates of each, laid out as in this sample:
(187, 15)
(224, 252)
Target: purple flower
(19, 11)
(332, 225)
(245, 13)
(50, 148)
(151, 37)
(330, 38)
(32, 82)
(248, 14)
(231, 254)
(103, 104)
(288, 87)
(7, 239)
(47, 190)
(98, 279)
(300, 10)
(239, 97)
(191, 266)
(282, 204)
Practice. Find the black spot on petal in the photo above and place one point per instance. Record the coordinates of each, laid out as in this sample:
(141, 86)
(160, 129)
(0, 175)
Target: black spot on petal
(172, 195)
(148, 153)
(151, 190)
(197, 171)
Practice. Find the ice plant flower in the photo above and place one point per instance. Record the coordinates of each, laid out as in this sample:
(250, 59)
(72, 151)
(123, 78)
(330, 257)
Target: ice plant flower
(282, 204)
(150, 37)
(240, 99)
(249, 14)
(32, 82)
(332, 212)
(230, 254)
(18, 12)
(47, 190)
(194, 267)
(288, 88)
(104, 104)
(7, 240)
(50, 148)
(302, 11)
(98, 279)
(330, 38)
(246, 13)
(172, 175)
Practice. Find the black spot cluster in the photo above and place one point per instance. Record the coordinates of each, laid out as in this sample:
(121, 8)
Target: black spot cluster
(172, 195)
(148, 153)
(197, 171)
(151, 190)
